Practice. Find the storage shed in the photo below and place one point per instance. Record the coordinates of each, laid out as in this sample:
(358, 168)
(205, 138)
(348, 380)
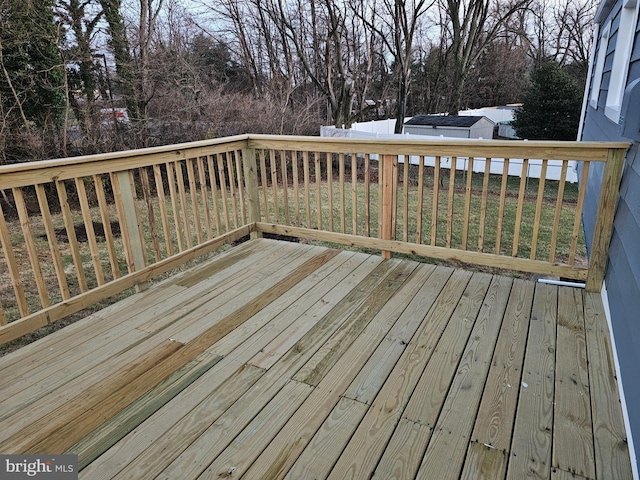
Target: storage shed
(456, 126)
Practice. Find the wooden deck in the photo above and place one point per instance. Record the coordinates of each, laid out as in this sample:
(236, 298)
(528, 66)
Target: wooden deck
(281, 360)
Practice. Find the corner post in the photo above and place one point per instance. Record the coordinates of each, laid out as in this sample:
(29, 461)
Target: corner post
(604, 219)
(128, 213)
(250, 171)
(388, 181)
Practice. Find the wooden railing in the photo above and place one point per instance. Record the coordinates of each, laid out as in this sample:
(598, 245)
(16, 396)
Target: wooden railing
(76, 231)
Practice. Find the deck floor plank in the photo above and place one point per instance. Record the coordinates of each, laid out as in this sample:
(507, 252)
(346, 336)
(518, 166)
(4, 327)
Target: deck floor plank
(572, 407)
(284, 360)
(530, 454)
(446, 450)
(494, 424)
(294, 437)
(327, 444)
(367, 445)
(610, 438)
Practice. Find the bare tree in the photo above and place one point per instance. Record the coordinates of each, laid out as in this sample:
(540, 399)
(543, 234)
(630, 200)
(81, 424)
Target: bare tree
(471, 25)
(396, 21)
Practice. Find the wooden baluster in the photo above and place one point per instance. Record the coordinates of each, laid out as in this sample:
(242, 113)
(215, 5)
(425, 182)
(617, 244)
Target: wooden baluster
(538, 216)
(452, 185)
(232, 190)
(558, 213)
(420, 199)
(394, 199)
(483, 204)
(354, 193)
(467, 204)
(239, 170)
(405, 197)
(285, 185)
(53, 242)
(171, 179)
(204, 195)
(265, 183)
(296, 187)
(214, 194)
(148, 200)
(307, 179)
(318, 189)
(436, 196)
(88, 226)
(274, 185)
(516, 228)
(193, 191)
(223, 192)
(503, 196)
(186, 219)
(342, 193)
(134, 193)
(71, 235)
(106, 224)
(386, 224)
(12, 266)
(367, 196)
(330, 188)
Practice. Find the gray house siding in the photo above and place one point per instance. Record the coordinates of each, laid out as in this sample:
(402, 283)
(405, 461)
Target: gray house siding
(623, 272)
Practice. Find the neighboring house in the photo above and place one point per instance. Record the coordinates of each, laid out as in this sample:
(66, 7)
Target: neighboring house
(611, 112)
(456, 126)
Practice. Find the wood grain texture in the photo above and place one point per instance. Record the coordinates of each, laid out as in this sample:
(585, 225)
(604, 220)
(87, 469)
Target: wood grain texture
(572, 427)
(609, 435)
(53, 242)
(532, 436)
(391, 371)
(494, 424)
(452, 430)
(357, 321)
(484, 462)
(327, 444)
(475, 258)
(604, 218)
(158, 455)
(30, 245)
(428, 283)
(151, 217)
(401, 457)
(12, 266)
(367, 445)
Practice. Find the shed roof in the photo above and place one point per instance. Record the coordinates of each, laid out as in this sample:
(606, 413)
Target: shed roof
(445, 120)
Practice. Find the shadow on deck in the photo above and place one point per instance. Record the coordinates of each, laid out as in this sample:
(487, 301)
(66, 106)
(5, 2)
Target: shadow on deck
(281, 360)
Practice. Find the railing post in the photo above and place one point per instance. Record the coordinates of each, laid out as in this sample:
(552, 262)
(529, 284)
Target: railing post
(133, 243)
(250, 170)
(387, 223)
(604, 219)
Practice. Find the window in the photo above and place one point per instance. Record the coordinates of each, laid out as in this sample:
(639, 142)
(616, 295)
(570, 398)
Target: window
(622, 55)
(597, 74)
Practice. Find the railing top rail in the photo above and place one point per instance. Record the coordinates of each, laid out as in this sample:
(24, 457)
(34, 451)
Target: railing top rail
(181, 148)
(592, 151)
(30, 173)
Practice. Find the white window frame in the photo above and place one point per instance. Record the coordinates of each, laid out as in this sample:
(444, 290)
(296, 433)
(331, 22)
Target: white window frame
(621, 57)
(597, 74)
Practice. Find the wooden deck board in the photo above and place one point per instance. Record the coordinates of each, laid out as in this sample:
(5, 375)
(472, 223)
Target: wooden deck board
(280, 360)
